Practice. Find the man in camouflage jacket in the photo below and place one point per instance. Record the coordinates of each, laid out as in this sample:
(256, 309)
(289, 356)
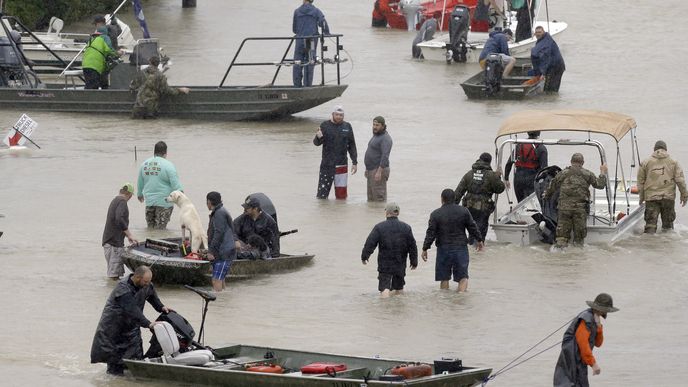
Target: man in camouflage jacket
(150, 87)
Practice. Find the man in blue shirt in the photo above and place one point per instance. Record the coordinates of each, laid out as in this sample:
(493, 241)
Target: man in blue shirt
(307, 19)
(157, 179)
(498, 43)
(547, 60)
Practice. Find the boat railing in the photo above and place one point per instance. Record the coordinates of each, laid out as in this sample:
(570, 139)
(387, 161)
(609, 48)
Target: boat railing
(319, 60)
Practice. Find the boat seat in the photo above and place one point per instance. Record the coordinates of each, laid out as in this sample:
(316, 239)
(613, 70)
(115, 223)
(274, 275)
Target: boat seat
(167, 338)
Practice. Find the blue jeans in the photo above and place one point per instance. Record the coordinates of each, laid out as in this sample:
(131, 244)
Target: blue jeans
(451, 261)
(304, 51)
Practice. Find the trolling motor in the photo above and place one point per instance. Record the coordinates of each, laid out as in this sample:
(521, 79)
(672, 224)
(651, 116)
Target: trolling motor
(493, 74)
(459, 21)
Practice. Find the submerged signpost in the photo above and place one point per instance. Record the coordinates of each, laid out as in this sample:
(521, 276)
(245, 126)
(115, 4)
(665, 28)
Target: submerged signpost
(21, 132)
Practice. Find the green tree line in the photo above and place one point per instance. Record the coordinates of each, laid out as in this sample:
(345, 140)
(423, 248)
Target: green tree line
(36, 14)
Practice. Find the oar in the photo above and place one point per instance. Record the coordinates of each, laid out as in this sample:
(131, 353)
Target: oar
(283, 233)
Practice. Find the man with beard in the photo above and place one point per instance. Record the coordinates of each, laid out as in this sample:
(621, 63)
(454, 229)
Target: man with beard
(118, 335)
(547, 60)
(337, 138)
(377, 161)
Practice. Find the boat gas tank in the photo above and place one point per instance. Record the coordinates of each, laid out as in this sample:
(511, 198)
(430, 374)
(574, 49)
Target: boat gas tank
(412, 371)
(268, 369)
(323, 368)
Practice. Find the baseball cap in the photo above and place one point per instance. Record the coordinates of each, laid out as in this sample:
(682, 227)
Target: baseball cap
(251, 203)
(392, 208)
(99, 19)
(338, 109)
(128, 187)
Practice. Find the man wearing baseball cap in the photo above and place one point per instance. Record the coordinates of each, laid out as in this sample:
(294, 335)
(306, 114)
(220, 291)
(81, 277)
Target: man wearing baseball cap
(394, 240)
(584, 333)
(116, 228)
(337, 138)
(256, 222)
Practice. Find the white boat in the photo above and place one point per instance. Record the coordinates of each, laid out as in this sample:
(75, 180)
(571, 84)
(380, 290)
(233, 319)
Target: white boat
(615, 211)
(436, 49)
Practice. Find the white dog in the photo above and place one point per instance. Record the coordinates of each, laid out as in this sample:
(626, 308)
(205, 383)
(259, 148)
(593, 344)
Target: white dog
(188, 217)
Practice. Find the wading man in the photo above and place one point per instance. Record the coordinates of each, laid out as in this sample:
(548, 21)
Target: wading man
(118, 335)
(658, 178)
(547, 60)
(221, 247)
(337, 138)
(377, 161)
(116, 228)
(584, 333)
(394, 240)
(150, 86)
(157, 179)
(447, 228)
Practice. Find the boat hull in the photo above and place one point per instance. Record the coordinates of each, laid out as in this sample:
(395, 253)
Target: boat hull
(512, 87)
(232, 372)
(225, 103)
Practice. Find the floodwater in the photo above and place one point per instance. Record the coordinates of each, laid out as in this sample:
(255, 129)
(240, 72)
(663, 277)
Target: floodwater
(619, 58)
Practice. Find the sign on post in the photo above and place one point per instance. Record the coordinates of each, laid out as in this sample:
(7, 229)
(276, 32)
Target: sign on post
(21, 131)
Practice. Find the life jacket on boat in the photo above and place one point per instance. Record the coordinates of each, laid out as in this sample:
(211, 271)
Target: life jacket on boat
(526, 156)
(268, 369)
(323, 368)
(412, 371)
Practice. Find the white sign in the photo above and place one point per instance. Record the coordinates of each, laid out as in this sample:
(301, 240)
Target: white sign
(21, 130)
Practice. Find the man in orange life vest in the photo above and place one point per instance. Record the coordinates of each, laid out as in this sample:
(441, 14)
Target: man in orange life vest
(380, 10)
(529, 159)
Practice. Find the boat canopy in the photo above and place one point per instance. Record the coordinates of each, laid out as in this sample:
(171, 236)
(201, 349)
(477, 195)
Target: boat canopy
(595, 121)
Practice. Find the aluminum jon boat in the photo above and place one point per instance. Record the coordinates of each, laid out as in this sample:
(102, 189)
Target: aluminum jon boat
(513, 87)
(615, 211)
(21, 88)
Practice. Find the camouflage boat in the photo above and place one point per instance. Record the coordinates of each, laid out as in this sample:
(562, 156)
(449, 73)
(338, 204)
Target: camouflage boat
(169, 267)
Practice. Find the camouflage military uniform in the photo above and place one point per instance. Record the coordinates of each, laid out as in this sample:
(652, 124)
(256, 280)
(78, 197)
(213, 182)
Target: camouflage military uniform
(150, 87)
(478, 185)
(158, 217)
(658, 178)
(573, 184)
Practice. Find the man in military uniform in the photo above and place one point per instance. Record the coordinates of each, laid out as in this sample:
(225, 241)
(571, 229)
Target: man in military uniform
(150, 87)
(658, 178)
(478, 185)
(574, 184)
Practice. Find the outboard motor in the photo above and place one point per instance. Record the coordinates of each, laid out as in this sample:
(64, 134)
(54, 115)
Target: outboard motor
(549, 207)
(184, 331)
(493, 74)
(411, 10)
(459, 21)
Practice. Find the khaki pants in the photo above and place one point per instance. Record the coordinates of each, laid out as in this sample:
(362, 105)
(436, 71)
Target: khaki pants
(113, 257)
(377, 190)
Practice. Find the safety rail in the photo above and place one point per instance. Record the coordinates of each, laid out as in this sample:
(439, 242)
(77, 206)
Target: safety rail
(285, 62)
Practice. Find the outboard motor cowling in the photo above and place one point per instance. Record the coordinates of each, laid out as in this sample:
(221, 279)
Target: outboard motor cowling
(493, 74)
(459, 22)
(549, 207)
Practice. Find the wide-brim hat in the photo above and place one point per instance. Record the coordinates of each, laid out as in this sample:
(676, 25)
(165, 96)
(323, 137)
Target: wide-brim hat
(603, 303)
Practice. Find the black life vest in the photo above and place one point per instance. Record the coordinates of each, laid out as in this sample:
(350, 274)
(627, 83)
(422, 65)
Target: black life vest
(526, 156)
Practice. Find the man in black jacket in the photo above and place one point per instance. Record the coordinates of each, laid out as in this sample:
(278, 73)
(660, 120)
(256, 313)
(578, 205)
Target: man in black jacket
(447, 228)
(255, 221)
(221, 250)
(118, 335)
(337, 138)
(395, 242)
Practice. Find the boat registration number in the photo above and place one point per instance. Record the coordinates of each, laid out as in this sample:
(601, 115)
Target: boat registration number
(275, 96)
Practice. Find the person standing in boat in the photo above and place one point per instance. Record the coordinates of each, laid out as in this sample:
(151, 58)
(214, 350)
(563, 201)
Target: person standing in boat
(94, 62)
(118, 335)
(394, 240)
(307, 20)
(547, 60)
(658, 178)
(447, 229)
(116, 228)
(157, 179)
(151, 85)
(376, 161)
(256, 222)
(573, 184)
(525, 14)
(584, 333)
(476, 188)
(337, 138)
(425, 33)
(221, 250)
(529, 159)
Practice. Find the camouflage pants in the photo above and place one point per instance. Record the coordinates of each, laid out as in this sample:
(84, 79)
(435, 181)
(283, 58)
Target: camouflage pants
(158, 217)
(655, 208)
(568, 221)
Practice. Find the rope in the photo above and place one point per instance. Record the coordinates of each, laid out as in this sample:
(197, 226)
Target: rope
(511, 364)
(351, 70)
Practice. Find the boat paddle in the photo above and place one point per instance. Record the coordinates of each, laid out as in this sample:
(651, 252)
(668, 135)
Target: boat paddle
(283, 233)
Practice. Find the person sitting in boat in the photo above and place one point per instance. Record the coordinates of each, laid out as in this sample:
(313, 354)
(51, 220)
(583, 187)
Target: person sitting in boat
(307, 19)
(255, 221)
(547, 60)
(498, 43)
(254, 248)
(151, 85)
(95, 57)
(426, 32)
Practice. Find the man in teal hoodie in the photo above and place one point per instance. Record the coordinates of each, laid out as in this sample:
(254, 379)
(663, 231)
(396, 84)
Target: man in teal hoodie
(157, 179)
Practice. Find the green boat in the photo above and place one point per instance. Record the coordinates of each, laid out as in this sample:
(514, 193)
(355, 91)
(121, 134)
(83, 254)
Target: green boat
(169, 267)
(21, 88)
(230, 364)
(511, 87)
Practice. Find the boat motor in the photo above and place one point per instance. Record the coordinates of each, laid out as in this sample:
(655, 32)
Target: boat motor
(547, 219)
(459, 21)
(411, 10)
(493, 74)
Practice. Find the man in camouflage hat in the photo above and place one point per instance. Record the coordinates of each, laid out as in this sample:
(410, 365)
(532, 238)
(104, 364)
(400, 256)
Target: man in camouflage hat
(584, 333)
(476, 188)
(150, 86)
(658, 177)
(573, 184)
